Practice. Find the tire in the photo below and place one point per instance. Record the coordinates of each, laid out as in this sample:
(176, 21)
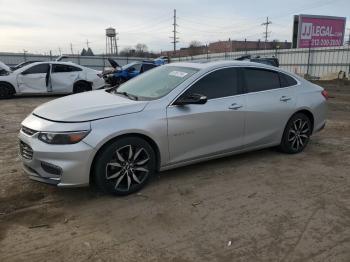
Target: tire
(81, 86)
(6, 90)
(119, 171)
(296, 134)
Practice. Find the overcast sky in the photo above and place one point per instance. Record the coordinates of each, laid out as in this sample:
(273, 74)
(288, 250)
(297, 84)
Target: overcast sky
(42, 25)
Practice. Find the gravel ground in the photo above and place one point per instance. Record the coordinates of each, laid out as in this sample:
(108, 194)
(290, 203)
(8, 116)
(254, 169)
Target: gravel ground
(258, 206)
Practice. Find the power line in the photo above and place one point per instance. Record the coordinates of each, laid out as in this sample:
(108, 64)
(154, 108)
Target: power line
(175, 38)
(266, 33)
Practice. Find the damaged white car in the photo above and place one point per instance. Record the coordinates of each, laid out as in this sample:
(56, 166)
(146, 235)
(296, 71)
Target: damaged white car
(49, 78)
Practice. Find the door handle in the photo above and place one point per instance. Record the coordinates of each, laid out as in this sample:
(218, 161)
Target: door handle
(235, 106)
(285, 99)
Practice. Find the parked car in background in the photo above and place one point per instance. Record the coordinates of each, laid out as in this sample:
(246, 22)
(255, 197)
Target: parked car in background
(20, 65)
(50, 78)
(4, 69)
(171, 116)
(272, 61)
(121, 74)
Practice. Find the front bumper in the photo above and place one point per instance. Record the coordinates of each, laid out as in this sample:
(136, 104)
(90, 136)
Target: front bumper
(61, 165)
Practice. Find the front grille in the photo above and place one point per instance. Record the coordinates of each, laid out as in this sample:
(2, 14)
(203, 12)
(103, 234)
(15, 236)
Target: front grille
(28, 131)
(25, 150)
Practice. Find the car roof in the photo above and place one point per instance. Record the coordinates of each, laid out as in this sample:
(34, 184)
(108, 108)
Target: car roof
(208, 66)
(223, 63)
(217, 64)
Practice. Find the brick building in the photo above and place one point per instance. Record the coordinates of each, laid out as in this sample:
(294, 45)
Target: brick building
(229, 46)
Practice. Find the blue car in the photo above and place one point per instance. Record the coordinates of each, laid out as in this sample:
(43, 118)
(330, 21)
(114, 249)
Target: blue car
(121, 74)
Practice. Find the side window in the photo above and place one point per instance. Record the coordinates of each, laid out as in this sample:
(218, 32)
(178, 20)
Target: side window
(287, 80)
(220, 83)
(147, 67)
(37, 69)
(57, 68)
(74, 68)
(137, 67)
(260, 79)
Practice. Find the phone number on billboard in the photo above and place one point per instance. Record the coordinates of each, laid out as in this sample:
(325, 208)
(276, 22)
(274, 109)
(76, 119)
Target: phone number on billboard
(325, 42)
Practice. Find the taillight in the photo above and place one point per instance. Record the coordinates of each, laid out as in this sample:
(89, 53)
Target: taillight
(325, 94)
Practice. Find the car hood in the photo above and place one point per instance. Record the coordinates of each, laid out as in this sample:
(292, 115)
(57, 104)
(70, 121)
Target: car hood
(5, 67)
(113, 63)
(88, 106)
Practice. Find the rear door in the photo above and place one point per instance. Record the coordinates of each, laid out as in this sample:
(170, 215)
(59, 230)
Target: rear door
(270, 103)
(63, 77)
(214, 127)
(35, 79)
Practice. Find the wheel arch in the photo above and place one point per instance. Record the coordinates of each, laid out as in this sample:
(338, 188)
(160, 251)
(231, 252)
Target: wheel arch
(306, 112)
(148, 139)
(10, 85)
(82, 81)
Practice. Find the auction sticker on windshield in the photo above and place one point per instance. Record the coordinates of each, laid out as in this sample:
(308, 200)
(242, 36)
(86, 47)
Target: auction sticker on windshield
(177, 73)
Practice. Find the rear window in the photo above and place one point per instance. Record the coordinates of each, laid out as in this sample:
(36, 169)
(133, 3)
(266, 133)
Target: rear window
(287, 80)
(260, 79)
(57, 68)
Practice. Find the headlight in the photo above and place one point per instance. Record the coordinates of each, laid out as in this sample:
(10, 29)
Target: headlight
(63, 138)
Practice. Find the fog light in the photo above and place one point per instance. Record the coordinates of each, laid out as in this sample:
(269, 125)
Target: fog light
(52, 169)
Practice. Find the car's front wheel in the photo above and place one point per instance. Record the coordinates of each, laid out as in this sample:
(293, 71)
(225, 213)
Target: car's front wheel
(124, 166)
(6, 90)
(297, 134)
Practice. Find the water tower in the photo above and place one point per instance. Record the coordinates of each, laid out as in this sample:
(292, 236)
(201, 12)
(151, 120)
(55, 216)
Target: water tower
(111, 41)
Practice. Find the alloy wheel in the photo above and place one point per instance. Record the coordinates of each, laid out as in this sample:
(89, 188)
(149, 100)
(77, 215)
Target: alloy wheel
(128, 167)
(298, 134)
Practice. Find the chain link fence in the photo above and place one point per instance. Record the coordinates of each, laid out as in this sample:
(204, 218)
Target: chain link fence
(313, 63)
(94, 62)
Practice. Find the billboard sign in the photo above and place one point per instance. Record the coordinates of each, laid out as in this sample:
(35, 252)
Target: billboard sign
(320, 31)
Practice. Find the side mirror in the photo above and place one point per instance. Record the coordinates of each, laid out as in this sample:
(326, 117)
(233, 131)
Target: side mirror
(192, 99)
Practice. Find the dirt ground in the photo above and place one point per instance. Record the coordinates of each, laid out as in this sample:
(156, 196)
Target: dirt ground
(259, 206)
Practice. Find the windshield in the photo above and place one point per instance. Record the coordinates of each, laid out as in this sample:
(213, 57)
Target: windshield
(157, 82)
(129, 65)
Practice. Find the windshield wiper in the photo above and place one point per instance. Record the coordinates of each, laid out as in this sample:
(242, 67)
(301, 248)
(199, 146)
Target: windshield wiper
(133, 97)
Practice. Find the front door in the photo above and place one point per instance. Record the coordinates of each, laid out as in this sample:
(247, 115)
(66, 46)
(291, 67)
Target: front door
(34, 79)
(217, 126)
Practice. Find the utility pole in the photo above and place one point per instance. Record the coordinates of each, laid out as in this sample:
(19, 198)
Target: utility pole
(266, 33)
(87, 43)
(349, 53)
(25, 55)
(71, 49)
(174, 37)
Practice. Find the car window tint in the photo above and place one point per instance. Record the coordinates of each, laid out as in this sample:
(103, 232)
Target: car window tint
(287, 80)
(260, 79)
(147, 67)
(64, 68)
(137, 67)
(37, 69)
(220, 83)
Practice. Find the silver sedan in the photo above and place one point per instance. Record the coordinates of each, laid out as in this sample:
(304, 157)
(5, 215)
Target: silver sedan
(175, 115)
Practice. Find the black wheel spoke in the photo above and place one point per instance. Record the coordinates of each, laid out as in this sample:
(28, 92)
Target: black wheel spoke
(128, 167)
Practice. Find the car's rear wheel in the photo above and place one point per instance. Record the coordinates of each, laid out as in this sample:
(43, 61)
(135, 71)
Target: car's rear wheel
(6, 90)
(81, 86)
(297, 134)
(124, 166)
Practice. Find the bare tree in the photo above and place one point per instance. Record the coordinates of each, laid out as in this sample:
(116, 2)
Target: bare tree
(141, 49)
(125, 51)
(195, 48)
